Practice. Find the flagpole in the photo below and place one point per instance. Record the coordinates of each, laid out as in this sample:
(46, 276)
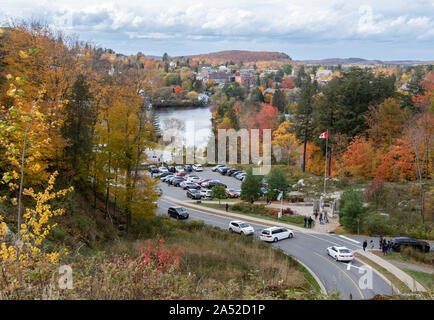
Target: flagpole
(325, 166)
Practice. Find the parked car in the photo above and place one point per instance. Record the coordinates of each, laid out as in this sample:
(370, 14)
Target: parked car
(177, 212)
(399, 242)
(153, 169)
(275, 234)
(163, 169)
(197, 167)
(222, 170)
(193, 194)
(194, 179)
(240, 176)
(179, 168)
(189, 185)
(340, 253)
(188, 168)
(165, 178)
(164, 174)
(170, 180)
(213, 183)
(202, 181)
(171, 169)
(241, 227)
(206, 194)
(177, 181)
(181, 173)
(214, 169)
(232, 193)
(231, 171)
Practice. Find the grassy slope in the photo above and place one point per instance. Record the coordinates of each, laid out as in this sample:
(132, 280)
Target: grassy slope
(215, 264)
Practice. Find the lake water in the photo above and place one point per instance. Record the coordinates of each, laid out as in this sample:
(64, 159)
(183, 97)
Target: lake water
(194, 123)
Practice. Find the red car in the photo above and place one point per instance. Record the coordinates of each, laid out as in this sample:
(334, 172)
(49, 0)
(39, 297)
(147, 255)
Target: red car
(181, 174)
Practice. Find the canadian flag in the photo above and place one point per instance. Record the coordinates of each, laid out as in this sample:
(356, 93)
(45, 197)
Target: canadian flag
(323, 135)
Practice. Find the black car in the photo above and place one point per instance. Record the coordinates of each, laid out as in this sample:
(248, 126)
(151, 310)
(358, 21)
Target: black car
(171, 169)
(231, 171)
(188, 168)
(212, 184)
(177, 212)
(409, 242)
(194, 194)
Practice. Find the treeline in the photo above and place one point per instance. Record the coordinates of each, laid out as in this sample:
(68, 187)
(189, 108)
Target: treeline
(68, 106)
(375, 130)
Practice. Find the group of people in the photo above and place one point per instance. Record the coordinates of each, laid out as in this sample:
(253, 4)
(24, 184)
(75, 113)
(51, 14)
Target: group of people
(322, 218)
(385, 246)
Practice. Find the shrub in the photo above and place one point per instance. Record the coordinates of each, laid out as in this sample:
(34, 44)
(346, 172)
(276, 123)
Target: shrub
(417, 255)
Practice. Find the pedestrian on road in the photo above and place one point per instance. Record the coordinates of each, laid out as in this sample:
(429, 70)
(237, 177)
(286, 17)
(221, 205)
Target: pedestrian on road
(305, 221)
(365, 244)
(371, 244)
(227, 207)
(326, 219)
(381, 242)
(309, 222)
(316, 214)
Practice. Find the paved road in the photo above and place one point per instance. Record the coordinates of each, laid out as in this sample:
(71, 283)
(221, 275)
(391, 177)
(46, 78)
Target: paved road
(311, 250)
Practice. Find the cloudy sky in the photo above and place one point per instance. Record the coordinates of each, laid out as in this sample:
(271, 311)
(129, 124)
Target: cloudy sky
(304, 29)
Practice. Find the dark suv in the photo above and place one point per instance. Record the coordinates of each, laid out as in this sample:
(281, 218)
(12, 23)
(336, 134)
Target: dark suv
(409, 242)
(212, 184)
(177, 212)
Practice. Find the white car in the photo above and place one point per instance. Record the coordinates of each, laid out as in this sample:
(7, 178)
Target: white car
(179, 169)
(163, 169)
(340, 253)
(206, 194)
(241, 227)
(197, 167)
(275, 234)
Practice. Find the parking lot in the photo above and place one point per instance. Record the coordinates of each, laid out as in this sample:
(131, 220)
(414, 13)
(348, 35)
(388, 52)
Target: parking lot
(179, 193)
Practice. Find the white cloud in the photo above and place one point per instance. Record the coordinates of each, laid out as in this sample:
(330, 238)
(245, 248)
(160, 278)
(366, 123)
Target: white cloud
(297, 21)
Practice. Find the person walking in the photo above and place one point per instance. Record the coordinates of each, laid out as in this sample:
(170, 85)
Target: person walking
(365, 244)
(371, 244)
(384, 247)
(305, 221)
(227, 207)
(381, 242)
(326, 219)
(316, 214)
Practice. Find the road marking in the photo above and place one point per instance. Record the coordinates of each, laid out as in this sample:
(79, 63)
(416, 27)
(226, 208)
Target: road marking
(341, 236)
(360, 291)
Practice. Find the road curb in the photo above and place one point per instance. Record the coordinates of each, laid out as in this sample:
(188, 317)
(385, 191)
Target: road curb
(395, 289)
(409, 281)
(321, 285)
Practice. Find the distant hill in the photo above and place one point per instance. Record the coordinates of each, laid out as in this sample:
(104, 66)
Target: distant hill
(360, 61)
(241, 55)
